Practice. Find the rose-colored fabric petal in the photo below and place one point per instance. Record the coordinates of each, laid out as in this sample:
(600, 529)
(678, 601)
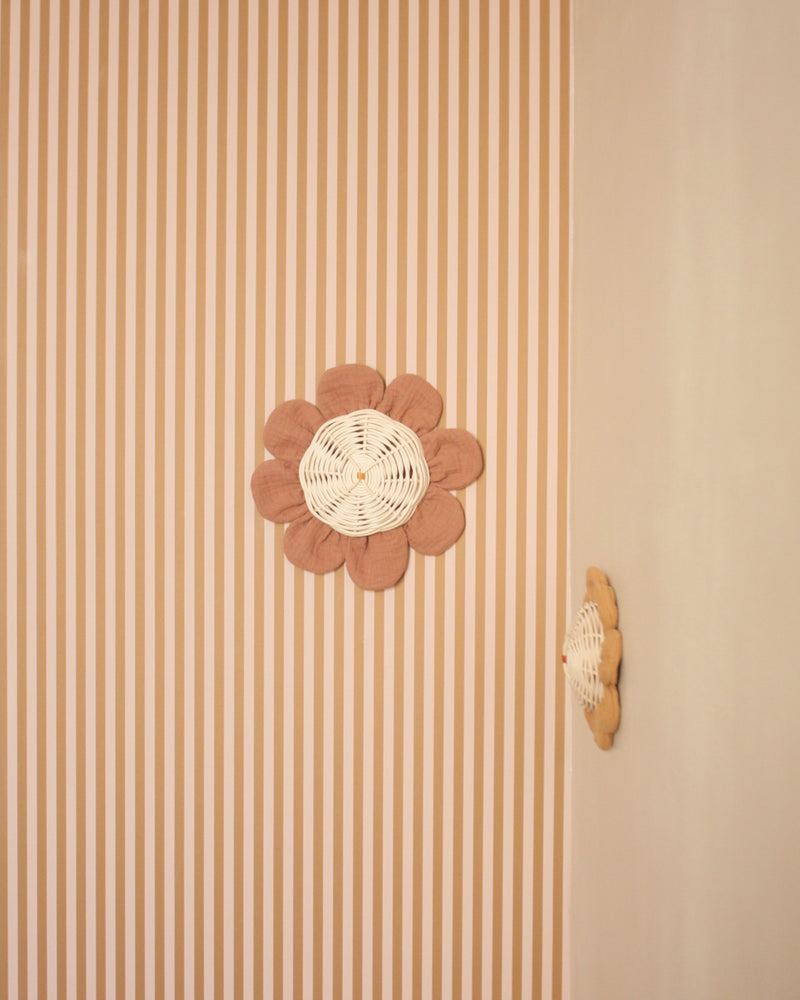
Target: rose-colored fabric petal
(313, 545)
(453, 456)
(412, 401)
(290, 428)
(378, 561)
(436, 524)
(347, 388)
(277, 491)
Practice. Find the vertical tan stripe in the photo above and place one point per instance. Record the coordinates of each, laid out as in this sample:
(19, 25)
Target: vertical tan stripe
(459, 775)
(319, 615)
(140, 472)
(338, 631)
(338, 779)
(57, 343)
(482, 208)
(358, 797)
(259, 639)
(181, 444)
(361, 357)
(21, 527)
(122, 847)
(443, 332)
(541, 481)
(159, 591)
(521, 616)
(5, 280)
(300, 322)
(220, 235)
(80, 505)
(200, 555)
(100, 445)
(241, 476)
(280, 154)
(502, 395)
(421, 282)
(400, 591)
(361, 208)
(378, 800)
(381, 663)
(341, 202)
(41, 512)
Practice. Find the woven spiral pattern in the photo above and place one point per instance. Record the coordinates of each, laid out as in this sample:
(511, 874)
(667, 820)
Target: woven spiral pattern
(364, 473)
(582, 652)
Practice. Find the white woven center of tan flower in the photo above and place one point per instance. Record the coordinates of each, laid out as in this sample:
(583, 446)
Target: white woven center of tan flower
(364, 473)
(582, 653)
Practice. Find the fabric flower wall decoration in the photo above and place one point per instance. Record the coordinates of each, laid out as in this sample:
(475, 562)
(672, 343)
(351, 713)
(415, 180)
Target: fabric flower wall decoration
(365, 474)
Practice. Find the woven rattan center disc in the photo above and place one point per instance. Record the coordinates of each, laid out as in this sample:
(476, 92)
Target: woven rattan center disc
(582, 652)
(363, 473)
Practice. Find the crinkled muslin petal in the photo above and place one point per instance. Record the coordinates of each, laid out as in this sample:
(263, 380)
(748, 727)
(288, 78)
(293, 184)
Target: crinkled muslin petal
(412, 401)
(313, 545)
(277, 491)
(347, 388)
(376, 562)
(290, 428)
(436, 524)
(454, 457)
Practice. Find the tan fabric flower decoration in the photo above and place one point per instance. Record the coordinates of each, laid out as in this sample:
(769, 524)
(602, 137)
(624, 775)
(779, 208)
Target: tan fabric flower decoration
(591, 656)
(364, 474)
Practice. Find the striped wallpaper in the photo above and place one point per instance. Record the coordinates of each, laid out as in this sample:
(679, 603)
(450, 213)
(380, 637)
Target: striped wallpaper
(222, 776)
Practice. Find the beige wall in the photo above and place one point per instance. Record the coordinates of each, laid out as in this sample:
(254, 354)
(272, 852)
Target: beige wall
(686, 490)
(220, 775)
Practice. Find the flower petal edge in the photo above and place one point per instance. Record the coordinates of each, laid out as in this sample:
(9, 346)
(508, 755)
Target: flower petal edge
(413, 401)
